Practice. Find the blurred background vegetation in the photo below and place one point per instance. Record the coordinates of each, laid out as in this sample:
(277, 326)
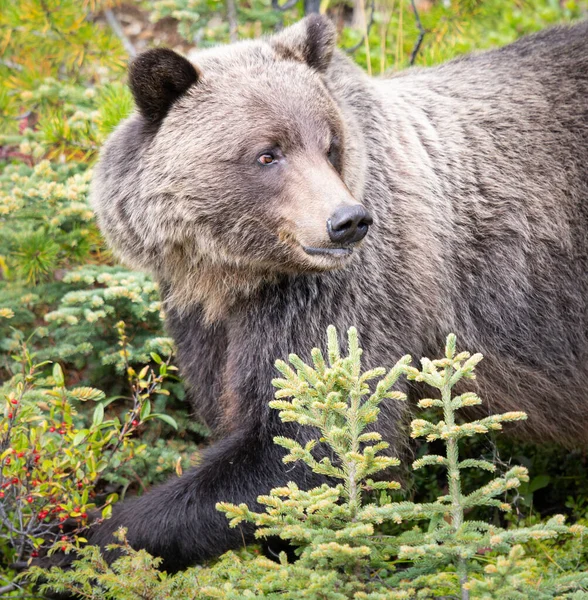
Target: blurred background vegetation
(62, 90)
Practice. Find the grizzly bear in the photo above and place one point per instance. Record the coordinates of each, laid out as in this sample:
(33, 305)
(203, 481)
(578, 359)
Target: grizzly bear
(273, 189)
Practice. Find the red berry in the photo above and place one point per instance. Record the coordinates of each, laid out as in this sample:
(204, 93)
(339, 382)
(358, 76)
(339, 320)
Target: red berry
(84, 515)
(14, 401)
(63, 548)
(36, 459)
(15, 480)
(29, 499)
(34, 554)
(10, 415)
(62, 519)
(64, 538)
(62, 431)
(135, 423)
(7, 461)
(23, 124)
(20, 454)
(1, 494)
(43, 514)
(80, 485)
(51, 429)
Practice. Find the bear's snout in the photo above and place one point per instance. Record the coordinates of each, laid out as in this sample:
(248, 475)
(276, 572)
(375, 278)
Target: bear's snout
(349, 224)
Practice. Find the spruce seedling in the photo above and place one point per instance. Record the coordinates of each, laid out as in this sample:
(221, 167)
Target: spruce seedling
(334, 397)
(451, 540)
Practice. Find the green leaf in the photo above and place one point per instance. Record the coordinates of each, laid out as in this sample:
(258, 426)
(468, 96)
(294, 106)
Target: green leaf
(112, 498)
(58, 375)
(166, 419)
(539, 482)
(86, 393)
(146, 410)
(156, 358)
(98, 415)
(79, 437)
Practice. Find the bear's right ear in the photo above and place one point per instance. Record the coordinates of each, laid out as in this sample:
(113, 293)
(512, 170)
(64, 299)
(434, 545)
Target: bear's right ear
(311, 41)
(157, 78)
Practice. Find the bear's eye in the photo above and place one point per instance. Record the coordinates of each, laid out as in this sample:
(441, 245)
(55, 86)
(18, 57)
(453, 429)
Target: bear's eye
(333, 154)
(267, 158)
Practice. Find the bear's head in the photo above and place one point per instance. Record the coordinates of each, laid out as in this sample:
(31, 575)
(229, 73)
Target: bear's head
(235, 170)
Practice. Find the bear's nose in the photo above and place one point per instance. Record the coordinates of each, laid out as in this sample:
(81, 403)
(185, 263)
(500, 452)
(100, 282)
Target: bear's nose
(349, 224)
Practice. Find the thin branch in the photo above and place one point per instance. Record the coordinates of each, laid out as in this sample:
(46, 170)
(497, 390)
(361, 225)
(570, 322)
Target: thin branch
(366, 34)
(422, 32)
(11, 65)
(232, 19)
(7, 588)
(312, 6)
(118, 30)
(286, 6)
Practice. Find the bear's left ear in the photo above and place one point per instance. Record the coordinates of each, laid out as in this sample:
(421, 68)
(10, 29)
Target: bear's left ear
(311, 40)
(157, 79)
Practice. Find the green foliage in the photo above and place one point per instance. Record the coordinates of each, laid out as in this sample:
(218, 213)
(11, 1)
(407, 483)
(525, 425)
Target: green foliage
(450, 540)
(452, 28)
(61, 92)
(50, 460)
(45, 220)
(65, 119)
(51, 51)
(159, 459)
(206, 22)
(329, 524)
(46, 229)
(104, 296)
(57, 32)
(52, 456)
(338, 530)
(234, 577)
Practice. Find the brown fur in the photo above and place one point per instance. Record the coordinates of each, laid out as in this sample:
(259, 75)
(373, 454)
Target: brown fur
(476, 174)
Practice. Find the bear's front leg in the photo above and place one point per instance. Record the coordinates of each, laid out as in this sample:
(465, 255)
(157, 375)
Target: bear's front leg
(178, 521)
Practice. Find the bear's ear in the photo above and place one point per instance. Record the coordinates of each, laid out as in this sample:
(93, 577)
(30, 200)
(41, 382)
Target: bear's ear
(311, 40)
(157, 79)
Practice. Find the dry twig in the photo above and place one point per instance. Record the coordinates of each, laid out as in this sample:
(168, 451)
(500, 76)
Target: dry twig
(118, 30)
(422, 32)
(366, 34)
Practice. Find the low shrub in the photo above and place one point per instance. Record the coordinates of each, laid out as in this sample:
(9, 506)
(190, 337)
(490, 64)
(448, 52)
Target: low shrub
(351, 540)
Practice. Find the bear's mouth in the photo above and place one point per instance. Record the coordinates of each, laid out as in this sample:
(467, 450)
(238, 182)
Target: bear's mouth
(331, 252)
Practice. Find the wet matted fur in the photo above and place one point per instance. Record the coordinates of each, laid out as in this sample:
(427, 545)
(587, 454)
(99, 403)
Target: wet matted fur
(476, 174)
